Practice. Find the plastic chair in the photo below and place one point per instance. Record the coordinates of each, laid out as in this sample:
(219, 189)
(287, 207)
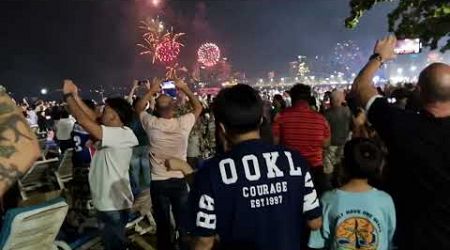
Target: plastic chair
(33, 227)
(141, 219)
(64, 173)
(36, 177)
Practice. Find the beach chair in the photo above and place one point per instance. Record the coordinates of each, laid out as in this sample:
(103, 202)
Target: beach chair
(33, 227)
(38, 176)
(64, 172)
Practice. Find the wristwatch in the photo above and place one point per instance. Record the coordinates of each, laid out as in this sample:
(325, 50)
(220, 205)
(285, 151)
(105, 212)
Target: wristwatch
(377, 57)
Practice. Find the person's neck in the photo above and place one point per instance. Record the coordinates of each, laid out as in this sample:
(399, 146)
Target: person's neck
(115, 124)
(252, 135)
(438, 109)
(357, 186)
(301, 103)
(336, 105)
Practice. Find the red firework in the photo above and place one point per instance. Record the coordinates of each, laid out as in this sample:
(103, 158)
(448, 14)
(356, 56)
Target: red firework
(208, 54)
(167, 51)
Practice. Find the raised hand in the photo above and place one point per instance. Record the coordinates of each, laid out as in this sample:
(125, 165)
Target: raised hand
(135, 84)
(70, 87)
(178, 165)
(385, 48)
(155, 86)
(181, 84)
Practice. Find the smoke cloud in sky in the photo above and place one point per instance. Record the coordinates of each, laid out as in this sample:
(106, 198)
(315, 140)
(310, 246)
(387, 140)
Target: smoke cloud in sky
(94, 42)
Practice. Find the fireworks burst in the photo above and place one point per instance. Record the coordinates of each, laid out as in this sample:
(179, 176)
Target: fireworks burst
(208, 54)
(162, 44)
(347, 56)
(167, 51)
(172, 71)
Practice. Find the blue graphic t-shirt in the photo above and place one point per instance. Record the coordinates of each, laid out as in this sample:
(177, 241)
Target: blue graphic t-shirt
(82, 154)
(139, 131)
(363, 220)
(257, 196)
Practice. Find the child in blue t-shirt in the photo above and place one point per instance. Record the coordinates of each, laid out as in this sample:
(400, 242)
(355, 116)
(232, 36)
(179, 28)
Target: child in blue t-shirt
(356, 215)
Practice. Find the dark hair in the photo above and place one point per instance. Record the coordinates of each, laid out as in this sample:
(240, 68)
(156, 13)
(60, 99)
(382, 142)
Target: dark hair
(400, 93)
(280, 100)
(90, 104)
(122, 108)
(64, 114)
(363, 158)
(300, 92)
(239, 109)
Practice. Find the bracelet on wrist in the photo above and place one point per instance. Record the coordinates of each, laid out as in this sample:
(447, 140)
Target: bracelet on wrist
(378, 58)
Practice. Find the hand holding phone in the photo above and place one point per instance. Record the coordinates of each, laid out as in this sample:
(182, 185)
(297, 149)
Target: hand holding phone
(385, 48)
(168, 88)
(155, 86)
(408, 46)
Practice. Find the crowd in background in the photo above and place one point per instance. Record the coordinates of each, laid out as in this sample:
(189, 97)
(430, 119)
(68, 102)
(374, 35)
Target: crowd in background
(247, 169)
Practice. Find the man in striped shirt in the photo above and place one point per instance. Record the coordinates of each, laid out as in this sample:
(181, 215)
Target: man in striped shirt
(305, 130)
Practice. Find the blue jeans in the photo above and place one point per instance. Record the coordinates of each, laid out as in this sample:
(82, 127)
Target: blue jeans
(165, 194)
(113, 229)
(139, 169)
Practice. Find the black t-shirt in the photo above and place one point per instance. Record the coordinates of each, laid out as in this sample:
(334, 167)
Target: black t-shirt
(418, 173)
(257, 196)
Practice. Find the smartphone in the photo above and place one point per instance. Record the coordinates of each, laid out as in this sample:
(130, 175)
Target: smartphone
(168, 88)
(408, 46)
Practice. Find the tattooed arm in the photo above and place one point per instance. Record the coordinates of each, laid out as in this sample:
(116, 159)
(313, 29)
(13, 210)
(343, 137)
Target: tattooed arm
(18, 145)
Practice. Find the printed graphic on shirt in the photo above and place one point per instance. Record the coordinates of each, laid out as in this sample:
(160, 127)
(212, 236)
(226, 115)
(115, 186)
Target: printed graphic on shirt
(82, 151)
(359, 230)
(263, 195)
(254, 193)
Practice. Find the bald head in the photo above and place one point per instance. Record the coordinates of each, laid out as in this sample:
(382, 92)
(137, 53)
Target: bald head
(337, 97)
(434, 82)
(165, 106)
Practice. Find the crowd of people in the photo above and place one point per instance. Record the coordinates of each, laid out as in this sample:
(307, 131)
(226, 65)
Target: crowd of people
(362, 169)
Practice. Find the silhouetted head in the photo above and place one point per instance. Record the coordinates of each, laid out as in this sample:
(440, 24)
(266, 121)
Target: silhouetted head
(117, 112)
(363, 159)
(165, 107)
(238, 110)
(337, 98)
(300, 92)
(434, 84)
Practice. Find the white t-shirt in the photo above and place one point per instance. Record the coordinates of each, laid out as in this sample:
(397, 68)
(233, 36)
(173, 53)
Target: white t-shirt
(193, 149)
(168, 139)
(64, 129)
(32, 118)
(108, 175)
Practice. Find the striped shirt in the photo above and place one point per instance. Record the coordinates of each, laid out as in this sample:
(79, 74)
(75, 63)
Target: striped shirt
(303, 129)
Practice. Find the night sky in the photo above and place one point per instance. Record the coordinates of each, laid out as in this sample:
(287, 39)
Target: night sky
(94, 42)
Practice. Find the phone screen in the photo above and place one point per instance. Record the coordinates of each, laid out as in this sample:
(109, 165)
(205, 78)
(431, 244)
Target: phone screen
(408, 46)
(169, 88)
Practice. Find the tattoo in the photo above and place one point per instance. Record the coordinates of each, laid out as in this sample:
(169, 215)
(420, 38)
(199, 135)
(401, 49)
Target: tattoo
(7, 151)
(11, 123)
(9, 175)
(6, 109)
(2, 90)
